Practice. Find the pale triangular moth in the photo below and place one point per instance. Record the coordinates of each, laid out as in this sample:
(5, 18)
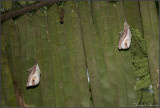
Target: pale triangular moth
(33, 78)
(125, 37)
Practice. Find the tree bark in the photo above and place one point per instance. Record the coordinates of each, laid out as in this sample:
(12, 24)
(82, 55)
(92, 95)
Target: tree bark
(26, 9)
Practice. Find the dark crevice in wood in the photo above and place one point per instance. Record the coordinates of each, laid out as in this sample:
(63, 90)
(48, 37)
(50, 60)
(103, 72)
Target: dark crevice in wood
(19, 97)
(61, 16)
(85, 57)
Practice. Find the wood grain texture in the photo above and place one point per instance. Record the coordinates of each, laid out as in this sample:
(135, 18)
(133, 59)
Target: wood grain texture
(151, 36)
(88, 39)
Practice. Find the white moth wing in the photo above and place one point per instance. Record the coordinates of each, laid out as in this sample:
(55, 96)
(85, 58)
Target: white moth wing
(38, 71)
(129, 36)
(127, 40)
(37, 75)
(129, 33)
(29, 74)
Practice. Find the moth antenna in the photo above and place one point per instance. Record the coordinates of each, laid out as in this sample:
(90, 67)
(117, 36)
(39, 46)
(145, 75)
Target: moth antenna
(29, 69)
(125, 21)
(36, 62)
(126, 25)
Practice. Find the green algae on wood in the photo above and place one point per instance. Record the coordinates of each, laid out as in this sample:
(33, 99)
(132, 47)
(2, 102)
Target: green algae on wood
(7, 88)
(151, 36)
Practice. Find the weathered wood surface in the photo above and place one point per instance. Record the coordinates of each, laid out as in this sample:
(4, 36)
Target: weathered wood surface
(89, 36)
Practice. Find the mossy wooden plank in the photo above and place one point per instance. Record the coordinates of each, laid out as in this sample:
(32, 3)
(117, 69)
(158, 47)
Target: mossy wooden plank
(112, 44)
(105, 42)
(109, 13)
(116, 20)
(53, 45)
(89, 34)
(149, 36)
(11, 27)
(25, 66)
(65, 75)
(47, 75)
(110, 41)
(27, 39)
(3, 97)
(7, 83)
(80, 75)
(154, 18)
(7, 89)
(46, 60)
(90, 56)
(133, 19)
(125, 56)
(67, 84)
(32, 58)
(59, 88)
(132, 11)
(16, 57)
(120, 55)
(71, 90)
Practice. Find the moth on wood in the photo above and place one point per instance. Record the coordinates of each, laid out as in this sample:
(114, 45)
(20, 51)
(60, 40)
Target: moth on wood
(33, 75)
(125, 37)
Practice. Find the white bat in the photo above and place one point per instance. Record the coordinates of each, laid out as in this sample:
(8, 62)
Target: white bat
(33, 75)
(125, 37)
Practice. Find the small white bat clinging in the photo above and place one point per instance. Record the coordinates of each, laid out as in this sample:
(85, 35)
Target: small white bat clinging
(33, 75)
(125, 37)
